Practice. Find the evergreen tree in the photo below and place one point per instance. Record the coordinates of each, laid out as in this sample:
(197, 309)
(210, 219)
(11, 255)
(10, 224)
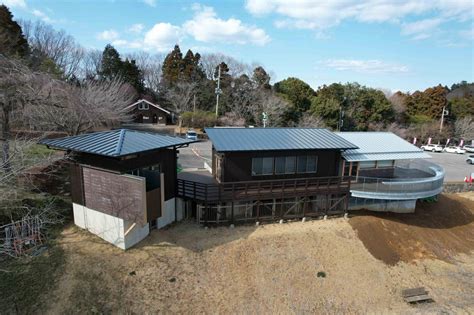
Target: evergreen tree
(191, 69)
(173, 66)
(111, 66)
(12, 41)
(261, 78)
(133, 75)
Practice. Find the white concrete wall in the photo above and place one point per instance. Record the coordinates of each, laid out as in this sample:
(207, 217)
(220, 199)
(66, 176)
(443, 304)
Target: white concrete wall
(167, 214)
(111, 229)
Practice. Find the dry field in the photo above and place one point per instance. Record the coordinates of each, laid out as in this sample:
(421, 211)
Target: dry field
(367, 261)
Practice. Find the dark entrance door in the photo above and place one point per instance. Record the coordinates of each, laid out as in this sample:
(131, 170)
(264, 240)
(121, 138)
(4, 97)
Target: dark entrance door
(155, 118)
(140, 118)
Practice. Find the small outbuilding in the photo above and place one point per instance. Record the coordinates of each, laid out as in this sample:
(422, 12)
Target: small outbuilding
(146, 112)
(123, 182)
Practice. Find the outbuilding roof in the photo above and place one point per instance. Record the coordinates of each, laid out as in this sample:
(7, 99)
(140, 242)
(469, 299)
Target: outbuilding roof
(115, 143)
(379, 146)
(264, 139)
(149, 103)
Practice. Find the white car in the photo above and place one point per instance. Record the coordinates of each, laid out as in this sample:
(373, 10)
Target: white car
(470, 159)
(454, 149)
(432, 147)
(469, 148)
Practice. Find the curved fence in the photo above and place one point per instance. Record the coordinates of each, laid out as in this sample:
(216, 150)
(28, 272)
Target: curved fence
(412, 179)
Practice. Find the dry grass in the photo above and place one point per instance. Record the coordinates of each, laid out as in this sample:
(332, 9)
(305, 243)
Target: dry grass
(267, 269)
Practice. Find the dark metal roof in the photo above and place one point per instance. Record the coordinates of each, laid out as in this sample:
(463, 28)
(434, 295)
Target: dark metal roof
(115, 143)
(260, 139)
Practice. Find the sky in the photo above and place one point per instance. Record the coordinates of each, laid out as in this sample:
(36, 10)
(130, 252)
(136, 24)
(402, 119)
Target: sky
(402, 45)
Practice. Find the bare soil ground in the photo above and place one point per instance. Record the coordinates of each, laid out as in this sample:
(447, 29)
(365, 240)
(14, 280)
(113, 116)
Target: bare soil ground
(367, 261)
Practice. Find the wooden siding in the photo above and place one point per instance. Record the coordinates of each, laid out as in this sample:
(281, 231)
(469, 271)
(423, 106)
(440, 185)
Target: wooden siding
(165, 157)
(119, 195)
(148, 114)
(77, 187)
(237, 166)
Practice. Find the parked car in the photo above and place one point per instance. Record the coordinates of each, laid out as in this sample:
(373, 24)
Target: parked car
(454, 149)
(191, 135)
(470, 159)
(469, 148)
(432, 147)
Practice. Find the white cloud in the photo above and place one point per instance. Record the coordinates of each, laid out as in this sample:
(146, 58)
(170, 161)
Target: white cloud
(108, 35)
(136, 28)
(468, 34)
(14, 3)
(162, 36)
(421, 29)
(205, 26)
(320, 15)
(364, 66)
(151, 3)
(41, 15)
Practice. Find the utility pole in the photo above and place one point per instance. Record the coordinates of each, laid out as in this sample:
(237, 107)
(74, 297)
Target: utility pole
(445, 112)
(194, 108)
(340, 121)
(218, 90)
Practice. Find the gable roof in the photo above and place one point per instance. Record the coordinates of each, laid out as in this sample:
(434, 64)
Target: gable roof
(149, 103)
(379, 146)
(115, 143)
(261, 139)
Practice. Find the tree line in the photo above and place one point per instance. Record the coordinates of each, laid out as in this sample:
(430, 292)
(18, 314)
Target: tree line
(186, 83)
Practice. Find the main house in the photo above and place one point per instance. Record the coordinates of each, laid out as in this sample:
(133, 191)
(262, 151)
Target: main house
(125, 182)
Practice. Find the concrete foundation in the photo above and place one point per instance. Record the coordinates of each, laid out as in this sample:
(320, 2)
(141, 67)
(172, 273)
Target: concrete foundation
(397, 206)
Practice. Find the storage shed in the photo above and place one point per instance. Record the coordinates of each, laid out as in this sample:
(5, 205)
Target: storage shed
(123, 182)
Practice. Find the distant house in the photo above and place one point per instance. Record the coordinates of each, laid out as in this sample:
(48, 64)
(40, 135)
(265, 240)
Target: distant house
(146, 112)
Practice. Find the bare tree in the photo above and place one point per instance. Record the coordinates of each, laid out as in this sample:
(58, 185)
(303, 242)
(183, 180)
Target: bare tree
(14, 91)
(311, 121)
(76, 109)
(464, 128)
(91, 63)
(180, 96)
(60, 47)
(209, 62)
(273, 105)
(151, 67)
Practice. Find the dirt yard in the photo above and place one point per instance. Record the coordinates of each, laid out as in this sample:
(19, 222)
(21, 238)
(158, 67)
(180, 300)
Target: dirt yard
(367, 260)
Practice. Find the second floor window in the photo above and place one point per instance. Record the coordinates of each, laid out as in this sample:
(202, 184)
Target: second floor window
(281, 165)
(143, 106)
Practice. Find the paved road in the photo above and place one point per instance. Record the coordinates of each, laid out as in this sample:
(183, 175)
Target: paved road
(195, 155)
(455, 165)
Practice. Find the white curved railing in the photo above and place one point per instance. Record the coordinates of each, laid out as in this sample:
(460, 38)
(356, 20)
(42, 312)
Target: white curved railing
(403, 187)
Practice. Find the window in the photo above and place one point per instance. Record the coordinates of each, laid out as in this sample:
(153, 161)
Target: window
(280, 165)
(307, 164)
(143, 106)
(262, 166)
(387, 163)
(367, 164)
(290, 165)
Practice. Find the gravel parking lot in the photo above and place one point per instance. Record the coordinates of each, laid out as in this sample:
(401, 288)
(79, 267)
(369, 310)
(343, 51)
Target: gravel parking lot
(455, 165)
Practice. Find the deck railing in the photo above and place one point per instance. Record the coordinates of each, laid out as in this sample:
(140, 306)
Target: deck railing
(404, 187)
(263, 189)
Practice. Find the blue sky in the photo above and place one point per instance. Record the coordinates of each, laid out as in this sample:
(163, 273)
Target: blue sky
(391, 44)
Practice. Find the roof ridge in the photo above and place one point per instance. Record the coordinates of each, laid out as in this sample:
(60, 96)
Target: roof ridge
(120, 141)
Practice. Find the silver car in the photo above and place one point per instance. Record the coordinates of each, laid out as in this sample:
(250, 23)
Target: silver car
(470, 160)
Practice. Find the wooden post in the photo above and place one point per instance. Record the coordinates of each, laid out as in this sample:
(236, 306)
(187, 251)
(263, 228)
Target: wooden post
(232, 212)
